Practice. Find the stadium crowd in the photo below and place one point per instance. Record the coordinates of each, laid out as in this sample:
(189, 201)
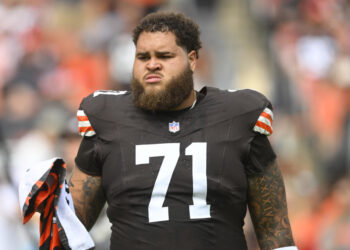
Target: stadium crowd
(296, 52)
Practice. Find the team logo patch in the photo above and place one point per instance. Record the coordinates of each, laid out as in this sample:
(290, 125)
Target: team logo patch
(174, 127)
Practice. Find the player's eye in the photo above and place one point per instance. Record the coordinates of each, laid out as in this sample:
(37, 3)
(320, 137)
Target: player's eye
(165, 56)
(143, 58)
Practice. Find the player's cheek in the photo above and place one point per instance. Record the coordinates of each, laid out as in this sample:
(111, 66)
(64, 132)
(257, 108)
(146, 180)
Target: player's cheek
(137, 70)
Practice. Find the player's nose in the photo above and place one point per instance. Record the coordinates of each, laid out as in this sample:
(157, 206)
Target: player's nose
(153, 64)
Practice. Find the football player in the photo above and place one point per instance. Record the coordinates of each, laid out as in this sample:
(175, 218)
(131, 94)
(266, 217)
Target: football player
(178, 168)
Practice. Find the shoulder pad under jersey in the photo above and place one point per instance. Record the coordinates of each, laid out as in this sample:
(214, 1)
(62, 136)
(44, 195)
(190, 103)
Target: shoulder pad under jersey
(263, 123)
(93, 105)
(240, 102)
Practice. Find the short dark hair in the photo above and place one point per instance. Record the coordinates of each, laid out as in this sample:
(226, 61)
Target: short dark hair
(185, 30)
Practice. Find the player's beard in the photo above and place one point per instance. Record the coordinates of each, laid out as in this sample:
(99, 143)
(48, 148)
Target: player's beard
(171, 96)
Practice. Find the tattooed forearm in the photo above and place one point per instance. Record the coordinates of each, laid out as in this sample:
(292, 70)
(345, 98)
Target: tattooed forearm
(88, 197)
(70, 183)
(268, 209)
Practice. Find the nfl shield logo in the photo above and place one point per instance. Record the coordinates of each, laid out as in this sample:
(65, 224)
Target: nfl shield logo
(174, 127)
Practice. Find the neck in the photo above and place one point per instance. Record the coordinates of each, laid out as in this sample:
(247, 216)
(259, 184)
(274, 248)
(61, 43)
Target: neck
(188, 102)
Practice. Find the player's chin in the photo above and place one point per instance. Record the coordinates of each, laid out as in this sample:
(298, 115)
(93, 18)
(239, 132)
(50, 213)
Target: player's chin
(154, 86)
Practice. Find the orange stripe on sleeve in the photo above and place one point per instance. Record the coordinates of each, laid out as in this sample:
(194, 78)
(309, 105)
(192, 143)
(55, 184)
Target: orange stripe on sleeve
(85, 129)
(82, 118)
(266, 115)
(264, 126)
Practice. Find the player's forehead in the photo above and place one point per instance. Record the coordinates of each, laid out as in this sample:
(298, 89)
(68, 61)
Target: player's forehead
(157, 41)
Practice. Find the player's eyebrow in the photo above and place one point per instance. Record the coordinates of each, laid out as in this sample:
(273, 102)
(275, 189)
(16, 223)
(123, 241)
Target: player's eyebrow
(164, 53)
(142, 54)
(157, 54)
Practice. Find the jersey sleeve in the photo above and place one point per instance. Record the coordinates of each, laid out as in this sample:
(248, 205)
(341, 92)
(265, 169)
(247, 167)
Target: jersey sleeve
(87, 159)
(261, 153)
(264, 123)
(87, 156)
(84, 125)
(257, 110)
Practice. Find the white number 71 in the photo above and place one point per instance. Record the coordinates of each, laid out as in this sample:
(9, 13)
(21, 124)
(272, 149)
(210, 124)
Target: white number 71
(171, 152)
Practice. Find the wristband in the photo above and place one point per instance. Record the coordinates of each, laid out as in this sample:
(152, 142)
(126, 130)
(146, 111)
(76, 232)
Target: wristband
(286, 248)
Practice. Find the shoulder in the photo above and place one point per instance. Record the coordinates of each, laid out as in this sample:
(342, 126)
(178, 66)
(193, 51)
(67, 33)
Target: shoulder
(245, 99)
(99, 109)
(105, 100)
(252, 108)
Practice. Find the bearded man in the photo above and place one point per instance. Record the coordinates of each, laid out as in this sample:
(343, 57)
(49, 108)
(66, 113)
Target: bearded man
(178, 167)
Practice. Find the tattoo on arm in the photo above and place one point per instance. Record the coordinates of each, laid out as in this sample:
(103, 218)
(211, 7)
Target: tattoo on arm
(88, 197)
(268, 208)
(70, 183)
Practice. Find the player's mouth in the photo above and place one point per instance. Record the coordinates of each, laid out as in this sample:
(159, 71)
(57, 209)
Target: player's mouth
(152, 78)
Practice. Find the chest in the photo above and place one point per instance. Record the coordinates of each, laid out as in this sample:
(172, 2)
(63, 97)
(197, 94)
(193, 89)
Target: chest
(178, 167)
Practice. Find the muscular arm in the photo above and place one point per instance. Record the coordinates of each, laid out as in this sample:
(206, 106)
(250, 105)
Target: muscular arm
(88, 197)
(268, 208)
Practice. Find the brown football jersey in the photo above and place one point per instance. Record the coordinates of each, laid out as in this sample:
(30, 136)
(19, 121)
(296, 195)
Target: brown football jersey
(176, 180)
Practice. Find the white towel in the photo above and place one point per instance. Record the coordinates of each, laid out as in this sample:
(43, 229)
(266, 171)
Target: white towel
(74, 235)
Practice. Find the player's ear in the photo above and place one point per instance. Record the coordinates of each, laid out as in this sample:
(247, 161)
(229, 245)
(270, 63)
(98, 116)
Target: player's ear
(192, 58)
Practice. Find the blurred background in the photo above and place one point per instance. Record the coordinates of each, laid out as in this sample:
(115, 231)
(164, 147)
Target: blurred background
(296, 52)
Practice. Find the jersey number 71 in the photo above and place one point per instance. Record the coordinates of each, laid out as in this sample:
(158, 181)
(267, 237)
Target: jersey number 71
(171, 152)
